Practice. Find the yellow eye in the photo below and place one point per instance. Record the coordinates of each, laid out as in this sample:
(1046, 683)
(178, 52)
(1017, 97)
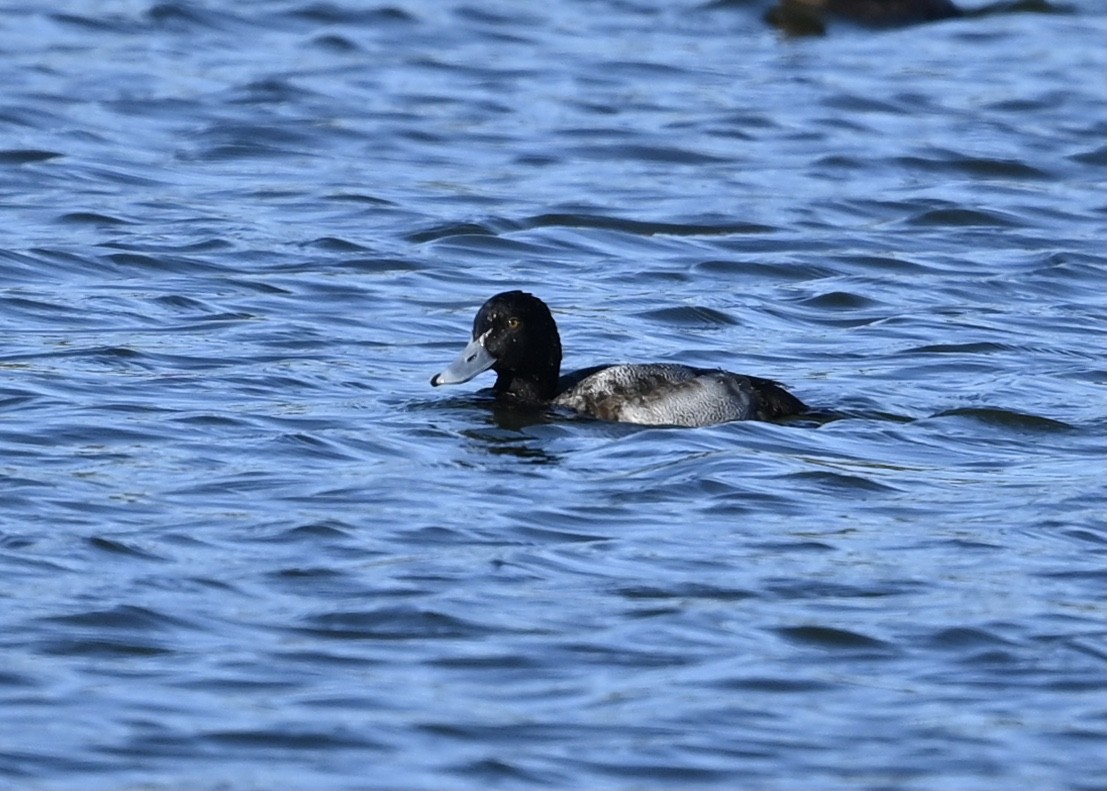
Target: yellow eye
(514, 323)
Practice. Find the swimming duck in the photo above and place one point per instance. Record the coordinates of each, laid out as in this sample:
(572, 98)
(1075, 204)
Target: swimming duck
(515, 335)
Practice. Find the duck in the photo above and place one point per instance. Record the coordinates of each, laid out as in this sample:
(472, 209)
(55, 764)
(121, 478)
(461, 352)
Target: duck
(515, 335)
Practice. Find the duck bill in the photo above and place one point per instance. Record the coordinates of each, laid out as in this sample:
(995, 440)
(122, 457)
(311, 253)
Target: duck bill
(474, 359)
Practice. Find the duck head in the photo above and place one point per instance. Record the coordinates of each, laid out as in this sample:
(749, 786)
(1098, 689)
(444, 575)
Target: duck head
(515, 335)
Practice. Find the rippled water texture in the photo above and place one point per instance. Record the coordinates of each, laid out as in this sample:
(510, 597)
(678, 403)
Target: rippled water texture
(243, 544)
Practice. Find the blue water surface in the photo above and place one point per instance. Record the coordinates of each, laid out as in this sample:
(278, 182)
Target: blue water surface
(244, 544)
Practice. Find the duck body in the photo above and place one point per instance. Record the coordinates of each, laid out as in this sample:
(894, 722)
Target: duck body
(675, 395)
(515, 335)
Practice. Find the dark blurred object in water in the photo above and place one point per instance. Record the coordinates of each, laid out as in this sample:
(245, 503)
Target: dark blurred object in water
(808, 17)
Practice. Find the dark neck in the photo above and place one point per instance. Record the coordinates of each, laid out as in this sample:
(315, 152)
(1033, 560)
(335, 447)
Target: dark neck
(534, 387)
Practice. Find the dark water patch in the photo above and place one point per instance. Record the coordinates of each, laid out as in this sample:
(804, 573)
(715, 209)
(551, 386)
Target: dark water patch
(1094, 156)
(493, 661)
(125, 175)
(216, 422)
(690, 316)
(161, 263)
(38, 309)
(1088, 536)
(449, 230)
(91, 218)
(19, 267)
(19, 681)
(860, 104)
(104, 648)
(236, 151)
(642, 228)
(795, 546)
(332, 244)
(1088, 647)
(831, 638)
(326, 530)
(961, 217)
(653, 154)
(526, 731)
(499, 772)
(678, 774)
(993, 659)
(833, 590)
(311, 446)
(326, 655)
(150, 740)
(44, 761)
(114, 23)
(623, 657)
(18, 565)
(839, 300)
(270, 90)
(380, 265)
(489, 244)
(360, 198)
(289, 737)
(335, 43)
(134, 260)
(960, 637)
(390, 623)
(187, 17)
(831, 481)
(210, 244)
(557, 535)
(963, 545)
(111, 356)
(773, 685)
(960, 348)
(119, 548)
(982, 168)
(312, 582)
(1006, 418)
(639, 69)
(868, 210)
(774, 271)
(689, 591)
(1094, 575)
(254, 682)
(483, 16)
(13, 541)
(26, 156)
(230, 141)
(1004, 7)
(121, 617)
(840, 163)
(441, 536)
(334, 14)
(787, 313)
(181, 304)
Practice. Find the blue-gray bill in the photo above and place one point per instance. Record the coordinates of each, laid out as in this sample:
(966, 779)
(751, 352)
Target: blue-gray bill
(474, 359)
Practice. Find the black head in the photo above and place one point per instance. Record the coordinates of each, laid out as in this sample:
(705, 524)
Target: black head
(515, 335)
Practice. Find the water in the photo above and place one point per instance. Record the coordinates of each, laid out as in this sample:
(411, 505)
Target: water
(243, 544)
